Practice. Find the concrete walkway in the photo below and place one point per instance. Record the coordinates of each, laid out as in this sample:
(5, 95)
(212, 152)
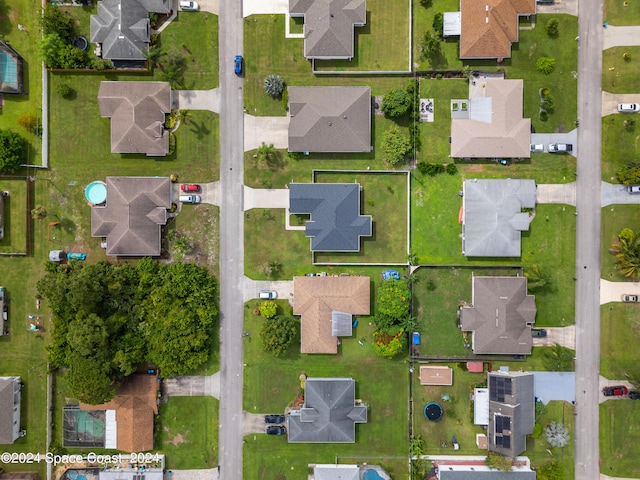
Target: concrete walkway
(204, 474)
(610, 101)
(197, 100)
(613, 291)
(265, 198)
(605, 382)
(565, 336)
(283, 287)
(265, 129)
(263, 7)
(620, 37)
(197, 386)
(559, 6)
(564, 193)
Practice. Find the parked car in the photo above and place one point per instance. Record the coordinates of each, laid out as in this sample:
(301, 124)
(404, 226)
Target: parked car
(630, 298)
(560, 147)
(276, 430)
(617, 391)
(237, 64)
(190, 187)
(387, 274)
(634, 395)
(633, 188)
(189, 6)
(544, 2)
(537, 147)
(628, 107)
(190, 198)
(268, 294)
(538, 332)
(274, 418)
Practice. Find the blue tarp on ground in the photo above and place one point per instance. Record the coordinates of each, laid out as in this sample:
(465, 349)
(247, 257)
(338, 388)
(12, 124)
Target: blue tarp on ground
(554, 386)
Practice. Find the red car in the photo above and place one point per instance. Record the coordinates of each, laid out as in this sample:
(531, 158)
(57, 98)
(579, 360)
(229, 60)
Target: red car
(190, 187)
(617, 391)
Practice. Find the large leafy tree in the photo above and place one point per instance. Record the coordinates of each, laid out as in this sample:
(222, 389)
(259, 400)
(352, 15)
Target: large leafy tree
(627, 252)
(56, 20)
(396, 103)
(277, 334)
(12, 149)
(394, 298)
(396, 145)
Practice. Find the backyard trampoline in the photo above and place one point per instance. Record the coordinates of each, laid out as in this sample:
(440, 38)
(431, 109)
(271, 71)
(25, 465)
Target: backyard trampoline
(96, 193)
(83, 428)
(433, 411)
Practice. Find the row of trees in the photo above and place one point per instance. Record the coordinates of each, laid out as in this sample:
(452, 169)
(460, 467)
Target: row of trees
(109, 319)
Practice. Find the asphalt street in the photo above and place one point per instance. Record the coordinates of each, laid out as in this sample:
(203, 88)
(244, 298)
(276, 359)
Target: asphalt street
(231, 240)
(588, 226)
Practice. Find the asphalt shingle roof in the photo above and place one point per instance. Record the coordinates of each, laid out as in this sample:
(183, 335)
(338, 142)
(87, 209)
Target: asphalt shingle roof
(7, 428)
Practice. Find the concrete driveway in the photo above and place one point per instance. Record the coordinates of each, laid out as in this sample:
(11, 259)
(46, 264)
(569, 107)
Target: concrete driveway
(265, 198)
(255, 7)
(613, 291)
(254, 423)
(283, 287)
(197, 100)
(547, 138)
(204, 474)
(616, 194)
(610, 101)
(210, 6)
(620, 37)
(564, 193)
(565, 336)
(559, 6)
(196, 386)
(265, 129)
(605, 382)
(209, 193)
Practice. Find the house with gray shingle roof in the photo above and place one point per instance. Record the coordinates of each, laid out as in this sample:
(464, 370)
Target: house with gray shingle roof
(137, 111)
(329, 119)
(500, 317)
(336, 224)
(329, 26)
(473, 471)
(122, 27)
(329, 413)
(131, 220)
(511, 411)
(492, 216)
(9, 409)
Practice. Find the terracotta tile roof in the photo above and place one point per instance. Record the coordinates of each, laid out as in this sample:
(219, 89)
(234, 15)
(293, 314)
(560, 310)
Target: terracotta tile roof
(490, 26)
(316, 297)
(135, 405)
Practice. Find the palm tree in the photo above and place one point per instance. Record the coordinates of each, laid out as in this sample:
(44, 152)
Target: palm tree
(153, 54)
(184, 116)
(266, 152)
(627, 253)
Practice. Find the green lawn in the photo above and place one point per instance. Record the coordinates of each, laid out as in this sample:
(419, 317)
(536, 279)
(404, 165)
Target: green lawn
(619, 333)
(382, 44)
(614, 219)
(15, 215)
(619, 438)
(619, 145)
(620, 12)
(422, 22)
(271, 383)
(187, 432)
(620, 75)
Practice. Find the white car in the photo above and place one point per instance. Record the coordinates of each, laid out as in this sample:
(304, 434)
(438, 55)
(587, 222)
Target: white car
(190, 198)
(537, 147)
(628, 107)
(187, 6)
(560, 147)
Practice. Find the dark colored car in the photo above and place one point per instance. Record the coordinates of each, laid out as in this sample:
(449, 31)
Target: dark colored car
(538, 332)
(274, 418)
(190, 187)
(616, 391)
(633, 395)
(237, 64)
(275, 430)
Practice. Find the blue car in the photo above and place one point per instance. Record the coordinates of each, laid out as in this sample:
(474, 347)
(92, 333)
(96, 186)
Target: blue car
(387, 274)
(237, 64)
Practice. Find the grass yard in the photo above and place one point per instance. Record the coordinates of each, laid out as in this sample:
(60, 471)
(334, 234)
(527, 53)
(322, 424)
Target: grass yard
(614, 219)
(422, 22)
(620, 75)
(271, 383)
(187, 432)
(619, 438)
(620, 12)
(382, 44)
(619, 145)
(384, 197)
(619, 334)
(78, 158)
(15, 215)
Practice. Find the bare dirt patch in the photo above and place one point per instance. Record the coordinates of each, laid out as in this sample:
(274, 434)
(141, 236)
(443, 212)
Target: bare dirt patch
(176, 439)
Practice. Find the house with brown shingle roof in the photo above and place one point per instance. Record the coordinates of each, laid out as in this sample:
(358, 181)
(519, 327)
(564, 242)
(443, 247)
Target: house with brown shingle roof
(135, 406)
(329, 26)
(326, 305)
(329, 119)
(500, 317)
(131, 220)
(489, 124)
(137, 111)
(489, 27)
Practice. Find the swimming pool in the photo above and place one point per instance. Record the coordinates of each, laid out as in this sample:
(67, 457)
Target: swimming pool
(96, 193)
(371, 475)
(8, 70)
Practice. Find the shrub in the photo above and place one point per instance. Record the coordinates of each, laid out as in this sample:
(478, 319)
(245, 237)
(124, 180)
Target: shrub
(285, 99)
(172, 144)
(431, 169)
(497, 461)
(171, 120)
(626, 56)
(556, 434)
(545, 65)
(268, 309)
(396, 146)
(543, 115)
(12, 150)
(396, 103)
(630, 173)
(552, 27)
(388, 345)
(101, 64)
(273, 85)
(64, 90)
(537, 431)
(55, 20)
(28, 122)
(451, 169)
(438, 23)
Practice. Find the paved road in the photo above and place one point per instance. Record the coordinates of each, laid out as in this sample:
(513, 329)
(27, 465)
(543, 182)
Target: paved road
(230, 37)
(588, 226)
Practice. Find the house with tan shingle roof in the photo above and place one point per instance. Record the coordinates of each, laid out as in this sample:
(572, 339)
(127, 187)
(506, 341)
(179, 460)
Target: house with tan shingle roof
(326, 305)
(489, 27)
(137, 111)
(329, 26)
(489, 124)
